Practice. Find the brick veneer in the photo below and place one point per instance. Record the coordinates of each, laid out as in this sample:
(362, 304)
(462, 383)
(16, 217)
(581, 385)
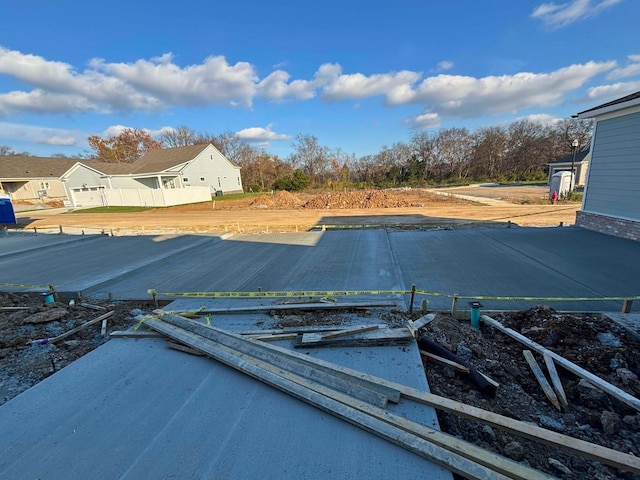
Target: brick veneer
(609, 225)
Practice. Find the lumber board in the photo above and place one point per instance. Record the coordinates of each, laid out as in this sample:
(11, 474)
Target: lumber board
(301, 329)
(91, 306)
(13, 309)
(297, 306)
(247, 346)
(555, 380)
(324, 399)
(603, 385)
(519, 428)
(351, 376)
(542, 380)
(183, 348)
(414, 326)
(379, 337)
(276, 337)
(348, 331)
(44, 341)
(444, 361)
(103, 328)
(135, 334)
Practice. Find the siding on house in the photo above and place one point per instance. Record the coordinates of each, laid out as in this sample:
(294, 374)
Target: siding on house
(211, 168)
(612, 185)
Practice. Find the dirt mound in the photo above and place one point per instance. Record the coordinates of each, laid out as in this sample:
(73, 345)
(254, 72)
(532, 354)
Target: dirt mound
(359, 199)
(280, 199)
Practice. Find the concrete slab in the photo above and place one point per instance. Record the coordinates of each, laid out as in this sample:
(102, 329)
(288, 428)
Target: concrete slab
(135, 409)
(629, 321)
(20, 242)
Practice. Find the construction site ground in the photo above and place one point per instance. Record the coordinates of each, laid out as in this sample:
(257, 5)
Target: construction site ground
(286, 212)
(494, 259)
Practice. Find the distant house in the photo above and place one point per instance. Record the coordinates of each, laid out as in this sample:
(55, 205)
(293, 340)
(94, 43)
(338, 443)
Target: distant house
(580, 166)
(611, 202)
(161, 177)
(33, 179)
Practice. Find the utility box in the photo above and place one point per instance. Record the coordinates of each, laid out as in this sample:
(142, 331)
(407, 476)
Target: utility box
(560, 183)
(7, 216)
(219, 193)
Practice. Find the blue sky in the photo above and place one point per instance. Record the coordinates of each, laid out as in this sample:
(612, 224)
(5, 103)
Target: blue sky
(357, 74)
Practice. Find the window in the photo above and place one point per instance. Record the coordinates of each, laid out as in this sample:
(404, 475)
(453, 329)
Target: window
(238, 180)
(44, 185)
(202, 179)
(219, 185)
(185, 180)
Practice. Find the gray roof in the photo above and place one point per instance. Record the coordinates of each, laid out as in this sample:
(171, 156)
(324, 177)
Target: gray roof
(161, 159)
(23, 167)
(580, 156)
(619, 101)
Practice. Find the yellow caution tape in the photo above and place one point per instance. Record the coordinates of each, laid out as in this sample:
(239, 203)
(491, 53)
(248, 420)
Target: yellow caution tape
(19, 285)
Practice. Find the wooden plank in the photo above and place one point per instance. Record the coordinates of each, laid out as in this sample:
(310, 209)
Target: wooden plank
(284, 354)
(301, 329)
(274, 338)
(526, 430)
(348, 331)
(444, 361)
(542, 380)
(566, 364)
(322, 398)
(421, 322)
(555, 380)
(13, 309)
(103, 328)
(379, 337)
(135, 334)
(183, 348)
(92, 307)
(44, 341)
(489, 379)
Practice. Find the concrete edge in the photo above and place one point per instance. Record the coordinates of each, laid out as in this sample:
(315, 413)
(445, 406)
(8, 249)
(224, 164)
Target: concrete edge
(54, 245)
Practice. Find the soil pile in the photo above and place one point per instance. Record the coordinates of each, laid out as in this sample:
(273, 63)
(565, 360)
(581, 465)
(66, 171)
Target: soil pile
(358, 199)
(280, 199)
(595, 344)
(25, 318)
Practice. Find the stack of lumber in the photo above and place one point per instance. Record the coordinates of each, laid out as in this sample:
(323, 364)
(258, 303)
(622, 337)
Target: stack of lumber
(361, 400)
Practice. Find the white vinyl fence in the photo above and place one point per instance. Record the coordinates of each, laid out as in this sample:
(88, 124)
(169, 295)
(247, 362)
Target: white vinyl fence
(140, 197)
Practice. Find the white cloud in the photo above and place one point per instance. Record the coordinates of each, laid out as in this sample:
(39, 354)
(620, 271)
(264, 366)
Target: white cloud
(52, 136)
(358, 86)
(557, 15)
(260, 134)
(467, 97)
(444, 65)
(425, 120)
(543, 118)
(630, 70)
(275, 86)
(613, 91)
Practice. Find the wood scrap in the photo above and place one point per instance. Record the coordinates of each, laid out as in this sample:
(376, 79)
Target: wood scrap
(348, 331)
(443, 361)
(44, 341)
(555, 380)
(404, 433)
(542, 380)
(14, 309)
(135, 334)
(566, 364)
(92, 307)
(416, 325)
(103, 328)
(183, 348)
(519, 428)
(274, 338)
(301, 329)
(379, 337)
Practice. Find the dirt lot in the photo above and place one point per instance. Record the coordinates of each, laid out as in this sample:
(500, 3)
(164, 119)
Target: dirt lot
(597, 345)
(283, 212)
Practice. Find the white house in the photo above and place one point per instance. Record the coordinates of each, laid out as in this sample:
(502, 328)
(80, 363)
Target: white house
(162, 177)
(611, 202)
(33, 179)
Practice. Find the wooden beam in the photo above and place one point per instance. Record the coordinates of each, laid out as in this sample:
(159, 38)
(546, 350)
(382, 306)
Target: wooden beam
(542, 380)
(44, 341)
(443, 361)
(526, 430)
(603, 385)
(344, 407)
(274, 351)
(348, 331)
(379, 337)
(555, 380)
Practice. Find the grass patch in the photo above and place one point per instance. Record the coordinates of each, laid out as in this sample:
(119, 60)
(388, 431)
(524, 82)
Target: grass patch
(239, 196)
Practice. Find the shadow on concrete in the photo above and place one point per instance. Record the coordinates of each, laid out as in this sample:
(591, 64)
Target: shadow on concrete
(404, 222)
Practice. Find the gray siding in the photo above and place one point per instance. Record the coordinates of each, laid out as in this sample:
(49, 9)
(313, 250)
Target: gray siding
(613, 187)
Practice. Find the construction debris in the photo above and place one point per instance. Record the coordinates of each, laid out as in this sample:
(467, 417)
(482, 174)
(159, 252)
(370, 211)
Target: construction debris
(367, 338)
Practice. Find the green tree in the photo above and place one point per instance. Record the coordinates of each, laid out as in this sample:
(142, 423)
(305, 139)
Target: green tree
(294, 183)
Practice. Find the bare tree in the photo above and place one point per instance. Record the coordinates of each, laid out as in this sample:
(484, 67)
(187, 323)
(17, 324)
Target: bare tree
(181, 136)
(310, 156)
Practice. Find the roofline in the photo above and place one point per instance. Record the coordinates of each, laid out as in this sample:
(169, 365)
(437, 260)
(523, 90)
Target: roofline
(597, 111)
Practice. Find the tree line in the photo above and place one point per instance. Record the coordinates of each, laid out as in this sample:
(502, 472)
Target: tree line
(519, 151)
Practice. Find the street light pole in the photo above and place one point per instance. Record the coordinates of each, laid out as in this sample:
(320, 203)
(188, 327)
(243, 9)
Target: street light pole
(574, 150)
